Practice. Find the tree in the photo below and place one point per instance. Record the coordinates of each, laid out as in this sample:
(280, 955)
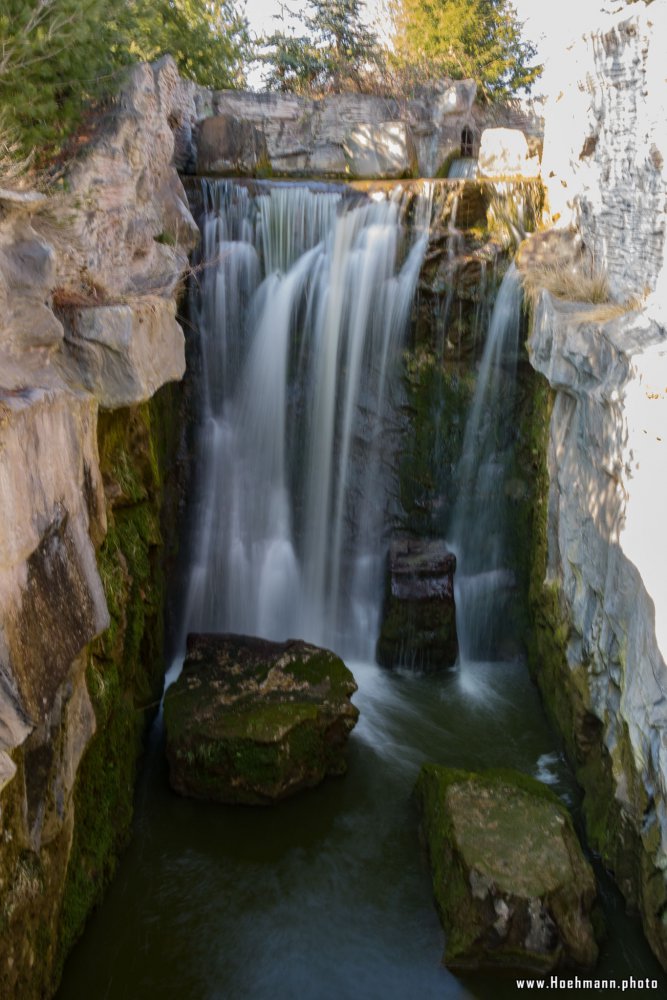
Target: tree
(480, 39)
(338, 52)
(56, 56)
(51, 53)
(209, 39)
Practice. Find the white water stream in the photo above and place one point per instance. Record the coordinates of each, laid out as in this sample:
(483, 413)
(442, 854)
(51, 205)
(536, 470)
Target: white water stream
(484, 581)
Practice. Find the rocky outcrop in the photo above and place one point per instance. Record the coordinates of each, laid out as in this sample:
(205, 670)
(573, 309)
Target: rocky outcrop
(363, 135)
(599, 592)
(598, 588)
(511, 884)
(88, 283)
(504, 152)
(231, 146)
(605, 147)
(254, 721)
(419, 618)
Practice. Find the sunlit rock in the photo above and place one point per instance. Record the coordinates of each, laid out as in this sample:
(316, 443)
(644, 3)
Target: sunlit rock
(606, 564)
(511, 884)
(124, 353)
(253, 721)
(605, 145)
(385, 149)
(504, 152)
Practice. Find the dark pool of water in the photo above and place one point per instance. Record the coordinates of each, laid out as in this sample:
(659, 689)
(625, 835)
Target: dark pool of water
(327, 895)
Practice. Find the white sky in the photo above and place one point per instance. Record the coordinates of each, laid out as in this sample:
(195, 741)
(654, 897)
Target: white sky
(550, 24)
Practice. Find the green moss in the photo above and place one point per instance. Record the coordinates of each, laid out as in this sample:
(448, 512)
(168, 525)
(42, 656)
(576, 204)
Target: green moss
(125, 665)
(166, 239)
(443, 169)
(437, 400)
(612, 832)
(518, 837)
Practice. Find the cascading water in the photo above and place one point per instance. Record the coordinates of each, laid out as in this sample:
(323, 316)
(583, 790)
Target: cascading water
(479, 528)
(303, 299)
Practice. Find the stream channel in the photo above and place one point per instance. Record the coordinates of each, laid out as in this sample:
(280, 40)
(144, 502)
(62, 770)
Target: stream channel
(302, 312)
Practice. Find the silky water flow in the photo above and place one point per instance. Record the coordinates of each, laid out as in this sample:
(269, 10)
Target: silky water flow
(304, 299)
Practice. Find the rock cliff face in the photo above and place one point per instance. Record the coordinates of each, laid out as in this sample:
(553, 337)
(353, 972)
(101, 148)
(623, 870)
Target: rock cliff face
(605, 147)
(599, 588)
(87, 287)
(355, 135)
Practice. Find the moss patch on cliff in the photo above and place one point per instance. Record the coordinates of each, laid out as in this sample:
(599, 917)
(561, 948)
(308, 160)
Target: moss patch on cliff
(437, 400)
(126, 664)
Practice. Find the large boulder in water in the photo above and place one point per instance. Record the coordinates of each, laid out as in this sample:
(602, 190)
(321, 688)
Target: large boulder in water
(419, 620)
(254, 721)
(511, 884)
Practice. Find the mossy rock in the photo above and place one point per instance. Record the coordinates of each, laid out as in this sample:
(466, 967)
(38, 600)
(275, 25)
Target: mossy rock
(253, 721)
(419, 619)
(511, 883)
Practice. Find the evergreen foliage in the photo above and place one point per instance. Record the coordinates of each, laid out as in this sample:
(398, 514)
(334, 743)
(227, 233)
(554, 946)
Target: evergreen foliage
(209, 40)
(337, 53)
(479, 39)
(58, 55)
(53, 51)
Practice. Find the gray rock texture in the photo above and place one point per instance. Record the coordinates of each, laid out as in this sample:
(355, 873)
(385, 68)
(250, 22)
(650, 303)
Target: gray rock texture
(88, 282)
(606, 557)
(605, 146)
(604, 597)
(364, 135)
(231, 146)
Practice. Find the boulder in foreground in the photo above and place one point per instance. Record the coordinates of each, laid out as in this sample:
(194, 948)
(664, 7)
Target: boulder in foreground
(511, 884)
(253, 721)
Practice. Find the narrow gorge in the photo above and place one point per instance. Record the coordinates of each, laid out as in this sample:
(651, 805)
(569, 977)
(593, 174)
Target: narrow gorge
(378, 375)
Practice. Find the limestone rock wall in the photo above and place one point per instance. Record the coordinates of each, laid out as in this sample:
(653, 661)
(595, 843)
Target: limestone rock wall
(605, 146)
(364, 135)
(88, 283)
(599, 592)
(603, 597)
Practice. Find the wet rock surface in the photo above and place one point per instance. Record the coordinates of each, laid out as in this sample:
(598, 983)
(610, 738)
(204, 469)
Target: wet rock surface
(419, 627)
(511, 884)
(253, 721)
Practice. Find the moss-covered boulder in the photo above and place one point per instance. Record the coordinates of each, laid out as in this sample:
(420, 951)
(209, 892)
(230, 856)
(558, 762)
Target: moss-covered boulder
(254, 721)
(511, 884)
(419, 620)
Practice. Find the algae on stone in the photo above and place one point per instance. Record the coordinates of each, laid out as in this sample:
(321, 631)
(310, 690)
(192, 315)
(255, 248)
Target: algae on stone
(511, 884)
(253, 721)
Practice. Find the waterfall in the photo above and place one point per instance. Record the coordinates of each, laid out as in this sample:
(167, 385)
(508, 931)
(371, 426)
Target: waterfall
(302, 300)
(462, 168)
(484, 581)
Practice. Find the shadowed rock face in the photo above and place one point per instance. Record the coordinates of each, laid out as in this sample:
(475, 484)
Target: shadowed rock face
(254, 721)
(229, 145)
(511, 884)
(88, 283)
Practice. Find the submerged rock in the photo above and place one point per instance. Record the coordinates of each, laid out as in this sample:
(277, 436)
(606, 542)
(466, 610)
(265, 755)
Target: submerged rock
(253, 721)
(511, 884)
(419, 627)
